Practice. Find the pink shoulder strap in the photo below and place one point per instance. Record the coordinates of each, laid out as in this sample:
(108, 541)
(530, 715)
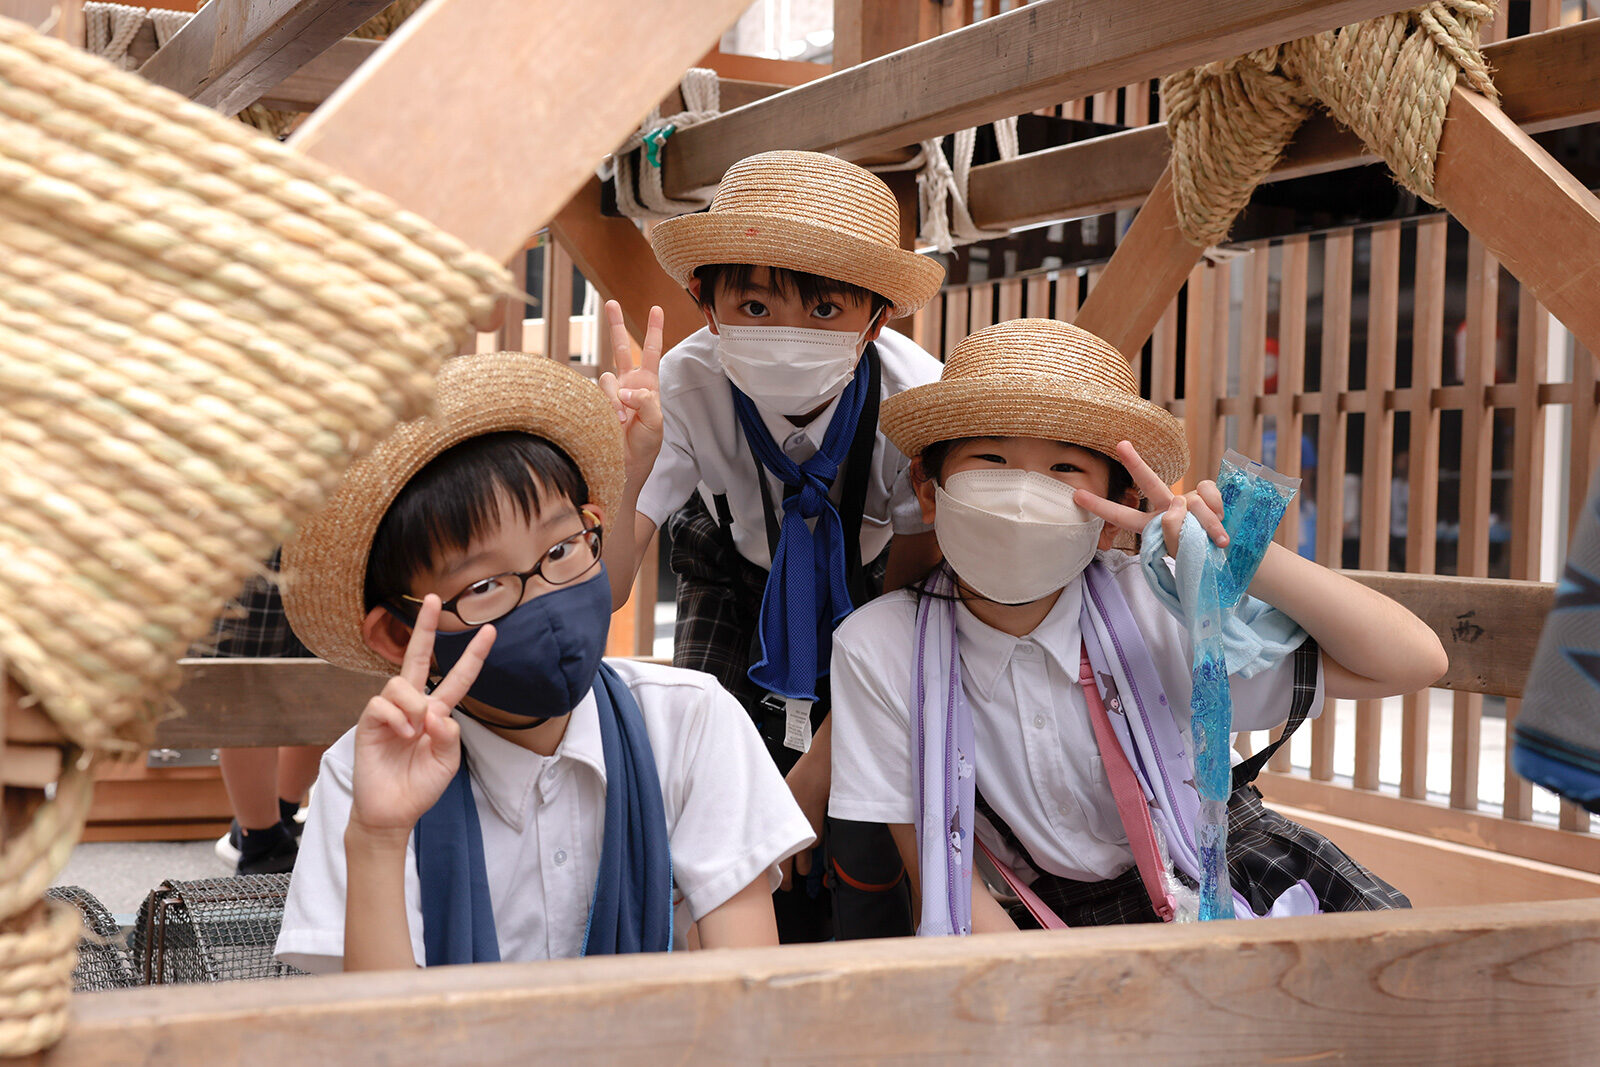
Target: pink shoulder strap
(1041, 912)
(1129, 795)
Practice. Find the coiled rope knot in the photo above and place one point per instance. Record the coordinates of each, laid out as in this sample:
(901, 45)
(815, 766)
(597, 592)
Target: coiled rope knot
(1388, 79)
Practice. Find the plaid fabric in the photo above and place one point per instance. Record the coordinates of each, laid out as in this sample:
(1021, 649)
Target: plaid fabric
(253, 625)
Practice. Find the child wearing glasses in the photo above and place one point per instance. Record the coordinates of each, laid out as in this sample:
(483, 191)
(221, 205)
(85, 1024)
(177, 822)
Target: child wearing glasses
(510, 795)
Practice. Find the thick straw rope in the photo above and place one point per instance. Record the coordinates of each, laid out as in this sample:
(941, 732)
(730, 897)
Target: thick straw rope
(198, 330)
(1389, 79)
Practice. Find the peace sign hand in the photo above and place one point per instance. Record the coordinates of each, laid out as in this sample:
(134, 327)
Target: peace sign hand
(407, 747)
(635, 392)
(1204, 503)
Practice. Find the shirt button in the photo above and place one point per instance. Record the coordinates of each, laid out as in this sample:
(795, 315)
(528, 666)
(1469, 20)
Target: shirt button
(1038, 720)
(1065, 809)
(1025, 649)
(561, 856)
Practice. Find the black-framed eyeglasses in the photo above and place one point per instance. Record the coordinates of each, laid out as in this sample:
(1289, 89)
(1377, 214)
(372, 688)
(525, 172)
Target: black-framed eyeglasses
(490, 599)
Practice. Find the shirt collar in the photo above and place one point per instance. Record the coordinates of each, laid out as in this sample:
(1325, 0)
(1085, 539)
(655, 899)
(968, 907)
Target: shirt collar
(782, 429)
(508, 774)
(986, 652)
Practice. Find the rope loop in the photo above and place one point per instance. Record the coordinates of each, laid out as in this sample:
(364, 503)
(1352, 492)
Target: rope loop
(1388, 79)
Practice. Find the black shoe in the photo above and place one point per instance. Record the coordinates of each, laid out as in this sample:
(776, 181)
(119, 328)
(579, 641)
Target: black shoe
(275, 854)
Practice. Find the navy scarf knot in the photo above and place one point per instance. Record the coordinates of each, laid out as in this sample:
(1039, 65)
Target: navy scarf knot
(807, 592)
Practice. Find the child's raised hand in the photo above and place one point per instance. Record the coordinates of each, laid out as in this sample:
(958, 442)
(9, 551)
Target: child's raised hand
(1204, 503)
(407, 747)
(635, 392)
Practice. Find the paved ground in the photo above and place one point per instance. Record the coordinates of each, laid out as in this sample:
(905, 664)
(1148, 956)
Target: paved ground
(121, 873)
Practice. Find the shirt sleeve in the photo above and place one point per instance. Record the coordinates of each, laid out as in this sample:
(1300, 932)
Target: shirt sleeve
(312, 935)
(737, 818)
(872, 773)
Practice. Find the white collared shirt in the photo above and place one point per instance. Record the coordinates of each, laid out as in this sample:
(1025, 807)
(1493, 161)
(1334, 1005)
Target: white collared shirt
(1038, 763)
(702, 447)
(730, 817)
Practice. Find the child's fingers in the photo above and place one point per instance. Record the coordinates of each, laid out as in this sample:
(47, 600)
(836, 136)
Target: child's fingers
(1172, 523)
(1210, 520)
(1150, 484)
(419, 650)
(613, 390)
(1119, 515)
(645, 403)
(381, 714)
(465, 672)
(650, 354)
(621, 346)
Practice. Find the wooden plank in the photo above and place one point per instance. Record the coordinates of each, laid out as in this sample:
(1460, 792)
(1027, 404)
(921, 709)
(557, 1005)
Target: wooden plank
(556, 301)
(617, 259)
(1199, 367)
(1332, 430)
(1288, 420)
(1062, 49)
(1422, 480)
(1440, 874)
(1489, 626)
(31, 766)
(1149, 267)
(399, 123)
(866, 29)
(981, 313)
(1546, 81)
(1377, 457)
(1010, 300)
(232, 51)
(956, 307)
(1507, 983)
(1038, 296)
(1538, 220)
(307, 88)
(1253, 348)
(244, 703)
(1436, 821)
(761, 69)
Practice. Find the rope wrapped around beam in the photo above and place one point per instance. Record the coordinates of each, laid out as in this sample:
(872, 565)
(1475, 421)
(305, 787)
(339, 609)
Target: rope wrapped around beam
(1388, 79)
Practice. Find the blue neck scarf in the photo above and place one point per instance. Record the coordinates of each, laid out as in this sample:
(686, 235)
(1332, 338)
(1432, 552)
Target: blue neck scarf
(807, 592)
(632, 905)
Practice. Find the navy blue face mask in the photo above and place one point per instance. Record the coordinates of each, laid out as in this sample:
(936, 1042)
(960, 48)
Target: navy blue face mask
(545, 653)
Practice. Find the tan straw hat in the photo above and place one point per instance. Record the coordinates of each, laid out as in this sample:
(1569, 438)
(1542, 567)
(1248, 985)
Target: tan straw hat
(325, 562)
(808, 212)
(1038, 378)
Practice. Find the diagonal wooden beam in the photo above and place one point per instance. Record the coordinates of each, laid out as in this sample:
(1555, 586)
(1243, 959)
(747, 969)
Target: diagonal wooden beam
(1031, 57)
(486, 116)
(308, 87)
(1546, 80)
(232, 51)
(614, 255)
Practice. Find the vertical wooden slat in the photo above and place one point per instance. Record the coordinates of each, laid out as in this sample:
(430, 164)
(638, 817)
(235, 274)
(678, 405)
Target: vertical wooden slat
(1010, 300)
(511, 324)
(1253, 348)
(1288, 417)
(955, 319)
(1477, 445)
(1377, 457)
(558, 304)
(1038, 297)
(1136, 105)
(1544, 15)
(1422, 478)
(1527, 498)
(1332, 429)
(1066, 308)
(1201, 359)
(1585, 439)
(981, 313)
(1164, 358)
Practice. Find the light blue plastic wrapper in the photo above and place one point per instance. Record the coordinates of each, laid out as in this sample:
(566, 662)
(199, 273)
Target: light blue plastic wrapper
(1254, 499)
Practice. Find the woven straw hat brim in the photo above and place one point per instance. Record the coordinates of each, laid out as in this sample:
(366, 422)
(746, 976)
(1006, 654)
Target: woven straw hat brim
(1052, 408)
(907, 280)
(325, 562)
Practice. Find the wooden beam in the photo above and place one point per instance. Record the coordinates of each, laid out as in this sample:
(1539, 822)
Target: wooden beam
(1546, 80)
(615, 256)
(1033, 56)
(1508, 983)
(401, 123)
(1489, 626)
(1537, 219)
(307, 88)
(233, 51)
(249, 703)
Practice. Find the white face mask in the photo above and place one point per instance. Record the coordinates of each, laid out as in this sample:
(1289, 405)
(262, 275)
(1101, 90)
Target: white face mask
(1013, 536)
(790, 369)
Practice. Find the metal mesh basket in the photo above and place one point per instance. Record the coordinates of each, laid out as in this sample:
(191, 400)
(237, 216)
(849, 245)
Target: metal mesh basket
(104, 961)
(213, 930)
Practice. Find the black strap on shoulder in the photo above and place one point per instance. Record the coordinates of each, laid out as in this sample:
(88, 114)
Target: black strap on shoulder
(1305, 688)
(853, 497)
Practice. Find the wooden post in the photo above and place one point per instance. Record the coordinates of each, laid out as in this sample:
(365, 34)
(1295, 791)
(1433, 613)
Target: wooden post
(1332, 430)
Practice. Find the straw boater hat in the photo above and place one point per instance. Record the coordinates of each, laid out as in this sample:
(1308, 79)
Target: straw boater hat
(1038, 378)
(325, 562)
(808, 212)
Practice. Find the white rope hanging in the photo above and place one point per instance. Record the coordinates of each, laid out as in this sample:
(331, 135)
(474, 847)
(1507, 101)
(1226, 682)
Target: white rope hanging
(109, 29)
(637, 164)
(942, 188)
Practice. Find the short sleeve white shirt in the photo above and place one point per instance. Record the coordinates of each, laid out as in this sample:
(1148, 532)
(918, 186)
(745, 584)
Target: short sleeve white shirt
(703, 448)
(1038, 763)
(730, 817)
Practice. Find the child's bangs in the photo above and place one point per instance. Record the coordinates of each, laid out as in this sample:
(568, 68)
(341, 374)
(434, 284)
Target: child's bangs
(457, 498)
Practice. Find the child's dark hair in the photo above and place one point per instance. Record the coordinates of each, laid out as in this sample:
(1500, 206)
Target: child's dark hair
(933, 459)
(456, 498)
(811, 288)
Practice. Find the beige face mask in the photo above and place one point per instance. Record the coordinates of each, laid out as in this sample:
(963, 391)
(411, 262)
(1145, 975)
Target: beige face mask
(1013, 536)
